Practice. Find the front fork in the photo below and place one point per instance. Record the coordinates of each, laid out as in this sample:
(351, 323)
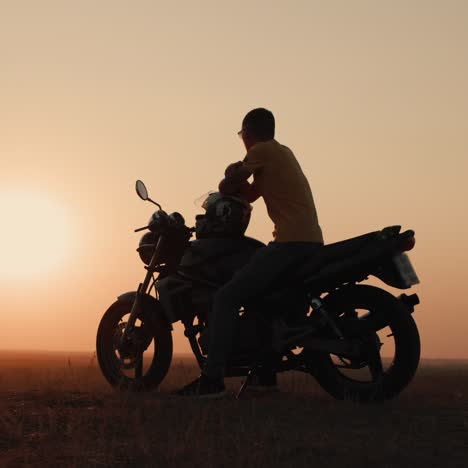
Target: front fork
(141, 291)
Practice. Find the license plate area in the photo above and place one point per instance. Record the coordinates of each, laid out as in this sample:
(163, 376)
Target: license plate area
(405, 270)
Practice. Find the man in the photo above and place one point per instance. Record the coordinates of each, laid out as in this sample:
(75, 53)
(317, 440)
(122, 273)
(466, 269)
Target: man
(278, 178)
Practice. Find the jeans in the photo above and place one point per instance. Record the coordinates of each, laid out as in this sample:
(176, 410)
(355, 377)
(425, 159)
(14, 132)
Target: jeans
(251, 281)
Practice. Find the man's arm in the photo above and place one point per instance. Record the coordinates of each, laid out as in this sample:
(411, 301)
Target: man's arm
(235, 182)
(249, 192)
(237, 174)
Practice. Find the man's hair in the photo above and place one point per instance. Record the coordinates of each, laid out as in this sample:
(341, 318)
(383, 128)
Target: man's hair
(260, 123)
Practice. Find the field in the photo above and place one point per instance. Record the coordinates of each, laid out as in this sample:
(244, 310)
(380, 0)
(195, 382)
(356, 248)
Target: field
(56, 410)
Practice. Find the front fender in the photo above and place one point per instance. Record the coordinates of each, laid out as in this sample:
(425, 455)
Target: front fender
(149, 305)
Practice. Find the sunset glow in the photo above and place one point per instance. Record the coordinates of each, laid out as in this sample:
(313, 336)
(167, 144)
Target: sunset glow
(36, 235)
(370, 96)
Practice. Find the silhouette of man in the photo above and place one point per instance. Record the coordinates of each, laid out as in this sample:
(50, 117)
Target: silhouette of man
(279, 180)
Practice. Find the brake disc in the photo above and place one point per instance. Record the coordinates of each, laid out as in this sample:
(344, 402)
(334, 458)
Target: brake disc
(132, 351)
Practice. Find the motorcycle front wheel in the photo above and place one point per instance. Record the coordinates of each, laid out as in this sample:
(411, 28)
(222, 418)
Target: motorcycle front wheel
(388, 332)
(144, 361)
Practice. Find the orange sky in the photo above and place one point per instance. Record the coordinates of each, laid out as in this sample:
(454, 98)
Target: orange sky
(370, 95)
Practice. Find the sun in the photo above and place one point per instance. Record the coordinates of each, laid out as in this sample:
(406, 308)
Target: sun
(35, 235)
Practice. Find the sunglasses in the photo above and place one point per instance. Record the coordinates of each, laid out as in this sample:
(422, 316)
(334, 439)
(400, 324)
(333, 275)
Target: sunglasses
(240, 132)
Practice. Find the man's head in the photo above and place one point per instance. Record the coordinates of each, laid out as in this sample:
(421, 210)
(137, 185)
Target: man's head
(258, 125)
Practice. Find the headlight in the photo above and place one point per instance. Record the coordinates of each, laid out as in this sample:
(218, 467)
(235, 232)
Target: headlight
(146, 246)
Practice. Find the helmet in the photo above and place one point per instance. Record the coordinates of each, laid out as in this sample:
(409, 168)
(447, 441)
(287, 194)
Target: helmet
(225, 216)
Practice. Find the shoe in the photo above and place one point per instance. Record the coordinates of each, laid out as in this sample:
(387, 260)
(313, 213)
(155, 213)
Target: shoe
(203, 387)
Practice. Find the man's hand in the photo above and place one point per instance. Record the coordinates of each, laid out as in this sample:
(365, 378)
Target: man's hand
(235, 176)
(232, 168)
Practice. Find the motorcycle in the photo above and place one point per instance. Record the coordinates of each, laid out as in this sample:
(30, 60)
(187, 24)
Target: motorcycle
(360, 342)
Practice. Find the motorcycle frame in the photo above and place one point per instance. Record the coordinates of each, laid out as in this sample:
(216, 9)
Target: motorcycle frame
(300, 335)
(295, 336)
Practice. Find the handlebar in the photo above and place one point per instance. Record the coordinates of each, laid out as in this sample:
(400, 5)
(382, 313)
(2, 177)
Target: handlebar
(162, 219)
(192, 229)
(141, 229)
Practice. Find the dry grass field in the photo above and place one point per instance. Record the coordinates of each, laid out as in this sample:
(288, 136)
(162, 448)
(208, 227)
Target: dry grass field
(57, 410)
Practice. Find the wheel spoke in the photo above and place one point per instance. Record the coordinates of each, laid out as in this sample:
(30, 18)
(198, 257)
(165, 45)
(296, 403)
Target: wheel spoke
(139, 368)
(383, 330)
(142, 360)
(376, 366)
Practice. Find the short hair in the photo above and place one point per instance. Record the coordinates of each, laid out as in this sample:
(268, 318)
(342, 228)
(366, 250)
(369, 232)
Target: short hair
(261, 123)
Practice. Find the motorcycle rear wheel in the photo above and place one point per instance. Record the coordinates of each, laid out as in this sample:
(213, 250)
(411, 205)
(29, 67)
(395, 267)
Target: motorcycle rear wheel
(388, 311)
(149, 362)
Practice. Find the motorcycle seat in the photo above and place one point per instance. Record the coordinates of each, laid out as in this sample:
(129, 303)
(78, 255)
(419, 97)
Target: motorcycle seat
(253, 242)
(332, 253)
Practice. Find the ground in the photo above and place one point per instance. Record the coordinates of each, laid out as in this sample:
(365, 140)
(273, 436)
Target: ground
(57, 410)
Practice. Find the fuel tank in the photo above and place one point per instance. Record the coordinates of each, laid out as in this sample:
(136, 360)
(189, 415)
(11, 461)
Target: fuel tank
(216, 260)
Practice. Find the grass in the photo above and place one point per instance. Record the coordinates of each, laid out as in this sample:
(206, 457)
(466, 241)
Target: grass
(56, 410)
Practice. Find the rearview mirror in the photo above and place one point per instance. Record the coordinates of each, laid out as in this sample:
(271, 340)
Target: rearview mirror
(141, 190)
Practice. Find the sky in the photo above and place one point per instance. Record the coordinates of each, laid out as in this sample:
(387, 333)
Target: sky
(370, 95)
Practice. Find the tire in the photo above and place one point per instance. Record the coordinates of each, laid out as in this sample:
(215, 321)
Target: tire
(159, 350)
(388, 311)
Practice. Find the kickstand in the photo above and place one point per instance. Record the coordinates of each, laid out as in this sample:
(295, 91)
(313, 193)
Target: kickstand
(245, 383)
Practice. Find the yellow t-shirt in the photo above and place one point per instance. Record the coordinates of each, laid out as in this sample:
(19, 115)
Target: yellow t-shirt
(279, 179)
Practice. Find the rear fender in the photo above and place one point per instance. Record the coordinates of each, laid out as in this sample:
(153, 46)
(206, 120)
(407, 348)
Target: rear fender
(150, 306)
(397, 271)
(389, 275)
